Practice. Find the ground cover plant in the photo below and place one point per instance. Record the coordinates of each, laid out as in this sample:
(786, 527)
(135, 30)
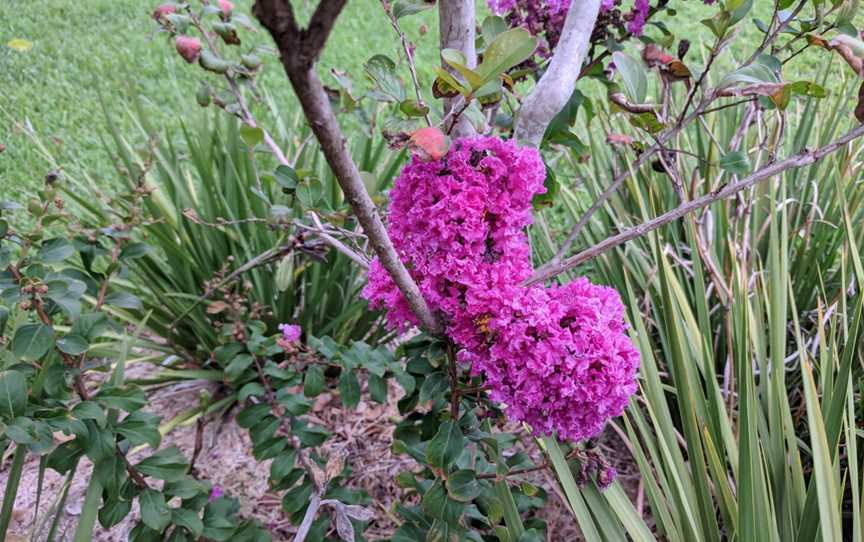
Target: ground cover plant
(670, 300)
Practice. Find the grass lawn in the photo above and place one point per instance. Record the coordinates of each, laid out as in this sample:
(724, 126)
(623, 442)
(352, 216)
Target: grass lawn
(108, 48)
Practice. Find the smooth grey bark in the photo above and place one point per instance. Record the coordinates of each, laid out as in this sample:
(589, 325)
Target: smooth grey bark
(558, 82)
(457, 22)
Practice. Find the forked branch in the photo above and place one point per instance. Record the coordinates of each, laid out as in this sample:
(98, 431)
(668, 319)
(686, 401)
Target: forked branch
(299, 50)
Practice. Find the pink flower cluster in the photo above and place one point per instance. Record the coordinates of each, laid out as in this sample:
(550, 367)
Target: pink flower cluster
(546, 17)
(559, 358)
(290, 336)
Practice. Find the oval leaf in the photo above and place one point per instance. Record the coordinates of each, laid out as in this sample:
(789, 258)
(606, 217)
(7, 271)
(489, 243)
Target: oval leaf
(32, 341)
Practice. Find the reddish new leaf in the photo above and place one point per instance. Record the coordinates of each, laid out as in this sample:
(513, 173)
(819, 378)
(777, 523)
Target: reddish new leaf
(429, 143)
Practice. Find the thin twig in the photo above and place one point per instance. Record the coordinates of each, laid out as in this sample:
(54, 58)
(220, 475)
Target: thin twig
(245, 113)
(801, 159)
(409, 55)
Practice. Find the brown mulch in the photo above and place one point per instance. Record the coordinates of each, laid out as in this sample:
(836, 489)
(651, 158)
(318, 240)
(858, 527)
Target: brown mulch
(363, 435)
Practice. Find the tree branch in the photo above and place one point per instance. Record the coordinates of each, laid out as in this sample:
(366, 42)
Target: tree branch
(456, 20)
(801, 159)
(280, 22)
(320, 26)
(557, 84)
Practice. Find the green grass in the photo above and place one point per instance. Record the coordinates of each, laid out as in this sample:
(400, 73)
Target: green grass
(109, 47)
(82, 50)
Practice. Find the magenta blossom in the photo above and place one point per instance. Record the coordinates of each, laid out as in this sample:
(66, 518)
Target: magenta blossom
(290, 336)
(215, 493)
(556, 358)
(546, 17)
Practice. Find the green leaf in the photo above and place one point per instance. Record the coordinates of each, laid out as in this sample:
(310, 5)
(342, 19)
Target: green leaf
(238, 366)
(32, 341)
(739, 9)
(282, 465)
(509, 48)
(251, 135)
(113, 512)
(313, 381)
(762, 70)
(129, 398)
(463, 486)
(413, 108)
(185, 488)
(294, 403)
(264, 429)
(141, 428)
(436, 503)
(377, 388)
(735, 162)
(382, 72)
(807, 88)
(552, 186)
(72, 344)
(154, 511)
(446, 446)
(4, 319)
(456, 59)
(252, 414)
(297, 497)
(124, 300)
(167, 464)
(823, 468)
(55, 250)
(405, 8)
(446, 85)
(434, 387)
(89, 410)
(189, 520)
(633, 75)
(349, 388)
(309, 192)
(13, 394)
(309, 435)
(133, 251)
(491, 27)
(646, 121)
(718, 23)
(286, 177)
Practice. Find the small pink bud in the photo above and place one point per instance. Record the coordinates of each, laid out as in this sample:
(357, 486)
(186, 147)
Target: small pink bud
(188, 47)
(226, 7)
(163, 10)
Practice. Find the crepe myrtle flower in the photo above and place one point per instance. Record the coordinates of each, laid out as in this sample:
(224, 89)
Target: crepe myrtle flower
(290, 336)
(557, 358)
(215, 494)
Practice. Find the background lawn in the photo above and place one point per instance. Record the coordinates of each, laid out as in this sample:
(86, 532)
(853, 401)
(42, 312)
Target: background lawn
(110, 48)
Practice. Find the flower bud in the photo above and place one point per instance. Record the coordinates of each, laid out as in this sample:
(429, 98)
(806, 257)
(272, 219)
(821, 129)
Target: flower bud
(226, 7)
(188, 47)
(163, 10)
